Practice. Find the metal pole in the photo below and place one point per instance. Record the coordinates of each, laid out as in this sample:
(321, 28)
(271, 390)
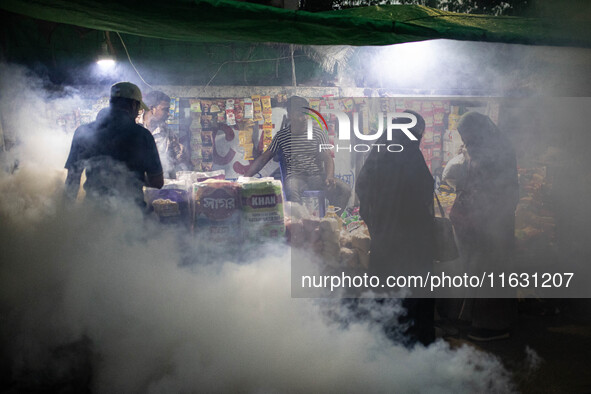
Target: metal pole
(293, 73)
(2, 139)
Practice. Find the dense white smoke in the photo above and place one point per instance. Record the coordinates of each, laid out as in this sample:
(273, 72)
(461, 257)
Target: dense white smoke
(465, 68)
(152, 325)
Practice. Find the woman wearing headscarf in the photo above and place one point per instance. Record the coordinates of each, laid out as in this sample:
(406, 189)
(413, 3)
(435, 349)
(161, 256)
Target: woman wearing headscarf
(395, 191)
(483, 216)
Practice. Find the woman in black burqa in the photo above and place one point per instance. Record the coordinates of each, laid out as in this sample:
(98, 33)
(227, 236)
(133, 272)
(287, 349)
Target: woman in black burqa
(483, 216)
(395, 191)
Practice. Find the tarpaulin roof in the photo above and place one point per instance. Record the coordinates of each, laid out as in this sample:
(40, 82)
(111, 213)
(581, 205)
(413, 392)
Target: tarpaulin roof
(226, 20)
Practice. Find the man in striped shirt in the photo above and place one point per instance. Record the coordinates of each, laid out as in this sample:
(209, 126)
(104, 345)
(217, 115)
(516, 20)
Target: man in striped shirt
(306, 167)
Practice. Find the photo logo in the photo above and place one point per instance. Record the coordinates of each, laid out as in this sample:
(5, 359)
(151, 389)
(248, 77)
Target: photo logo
(344, 127)
(315, 115)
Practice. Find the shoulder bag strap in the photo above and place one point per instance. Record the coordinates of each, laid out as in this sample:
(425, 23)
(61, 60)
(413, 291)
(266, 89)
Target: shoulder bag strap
(441, 211)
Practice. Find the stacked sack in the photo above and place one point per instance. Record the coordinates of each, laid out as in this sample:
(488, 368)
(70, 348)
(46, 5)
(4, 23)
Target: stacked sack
(262, 208)
(171, 204)
(218, 211)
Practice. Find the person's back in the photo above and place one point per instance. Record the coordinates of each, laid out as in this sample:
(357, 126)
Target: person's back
(118, 155)
(395, 191)
(114, 149)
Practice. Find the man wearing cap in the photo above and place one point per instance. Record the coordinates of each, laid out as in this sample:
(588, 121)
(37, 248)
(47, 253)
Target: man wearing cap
(118, 155)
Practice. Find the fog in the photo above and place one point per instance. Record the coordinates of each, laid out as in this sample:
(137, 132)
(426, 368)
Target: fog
(88, 293)
(465, 68)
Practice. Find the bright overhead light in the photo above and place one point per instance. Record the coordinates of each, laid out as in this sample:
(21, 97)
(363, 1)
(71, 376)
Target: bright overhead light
(106, 58)
(106, 63)
(407, 65)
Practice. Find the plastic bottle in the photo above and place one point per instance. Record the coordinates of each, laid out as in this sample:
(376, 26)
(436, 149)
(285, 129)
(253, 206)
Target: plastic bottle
(331, 212)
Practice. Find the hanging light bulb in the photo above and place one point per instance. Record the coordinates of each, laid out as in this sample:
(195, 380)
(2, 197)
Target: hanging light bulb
(106, 58)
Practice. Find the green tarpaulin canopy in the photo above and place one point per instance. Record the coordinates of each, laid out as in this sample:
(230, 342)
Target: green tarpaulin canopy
(225, 20)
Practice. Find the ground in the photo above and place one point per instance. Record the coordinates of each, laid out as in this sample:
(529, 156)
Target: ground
(549, 351)
(558, 331)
